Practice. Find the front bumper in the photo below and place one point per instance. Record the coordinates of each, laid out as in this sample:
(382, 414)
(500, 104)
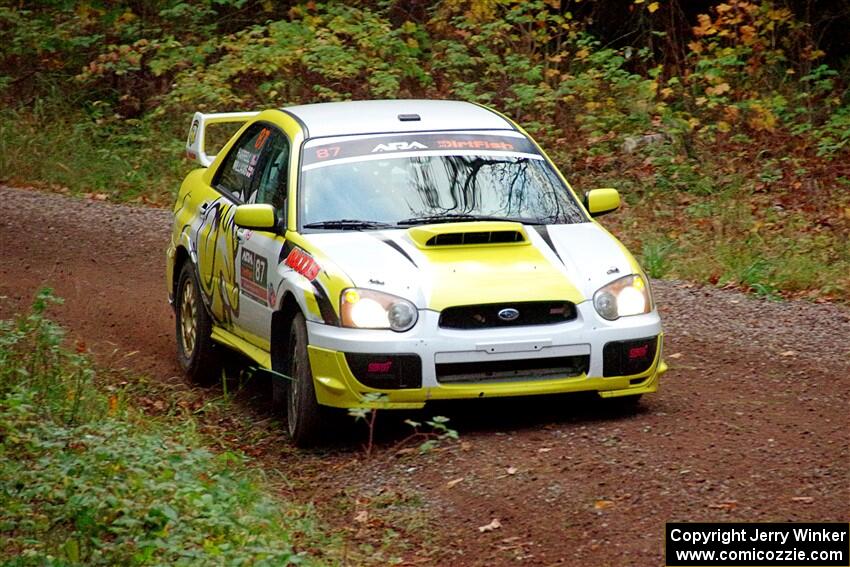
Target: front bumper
(337, 386)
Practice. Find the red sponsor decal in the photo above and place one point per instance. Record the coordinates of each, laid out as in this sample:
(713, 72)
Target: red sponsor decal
(261, 139)
(303, 263)
(638, 352)
(256, 291)
(474, 145)
(379, 367)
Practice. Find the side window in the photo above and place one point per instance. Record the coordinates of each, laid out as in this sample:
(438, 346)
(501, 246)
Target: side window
(239, 168)
(273, 174)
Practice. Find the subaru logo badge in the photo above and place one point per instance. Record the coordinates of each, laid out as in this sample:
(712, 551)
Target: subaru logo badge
(508, 314)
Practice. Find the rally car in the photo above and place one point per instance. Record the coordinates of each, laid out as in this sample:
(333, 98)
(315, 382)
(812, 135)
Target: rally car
(388, 253)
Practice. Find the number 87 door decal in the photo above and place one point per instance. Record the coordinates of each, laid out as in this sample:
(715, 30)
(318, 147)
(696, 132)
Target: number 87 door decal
(254, 275)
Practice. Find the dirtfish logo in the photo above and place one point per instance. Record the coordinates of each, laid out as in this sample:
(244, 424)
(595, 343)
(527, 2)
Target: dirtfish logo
(399, 147)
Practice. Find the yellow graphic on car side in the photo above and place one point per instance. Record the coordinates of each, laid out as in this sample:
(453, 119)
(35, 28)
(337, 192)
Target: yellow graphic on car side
(216, 246)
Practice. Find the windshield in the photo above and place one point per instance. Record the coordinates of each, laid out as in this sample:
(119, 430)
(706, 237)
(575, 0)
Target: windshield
(422, 178)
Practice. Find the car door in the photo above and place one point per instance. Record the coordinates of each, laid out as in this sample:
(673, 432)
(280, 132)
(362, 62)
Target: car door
(216, 239)
(259, 251)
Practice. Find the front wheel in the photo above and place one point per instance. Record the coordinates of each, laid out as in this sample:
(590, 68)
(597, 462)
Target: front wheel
(196, 351)
(304, 414)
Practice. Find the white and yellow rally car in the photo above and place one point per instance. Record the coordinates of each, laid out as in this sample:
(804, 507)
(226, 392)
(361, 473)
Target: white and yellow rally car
(417, 249)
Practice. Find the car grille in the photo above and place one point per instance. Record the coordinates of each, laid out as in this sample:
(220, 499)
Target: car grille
(486, 316)
(512, 370)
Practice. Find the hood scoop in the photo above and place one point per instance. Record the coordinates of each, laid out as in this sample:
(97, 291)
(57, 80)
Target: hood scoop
(484, 233)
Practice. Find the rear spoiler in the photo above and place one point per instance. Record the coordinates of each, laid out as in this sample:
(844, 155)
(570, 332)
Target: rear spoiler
(196, 142)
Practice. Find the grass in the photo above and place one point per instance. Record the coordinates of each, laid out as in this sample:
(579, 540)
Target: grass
(129, 160)
(655, 257)
(734, 248)
(86, 479)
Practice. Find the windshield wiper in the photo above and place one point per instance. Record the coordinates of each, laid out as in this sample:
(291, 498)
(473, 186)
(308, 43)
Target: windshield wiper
(460, 217)
(349, 224)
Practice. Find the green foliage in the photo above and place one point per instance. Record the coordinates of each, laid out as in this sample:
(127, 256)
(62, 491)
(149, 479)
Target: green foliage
(84, 481)
(439, 432)
(329, 52)
(32, 359)
(834, 135)
(655, 257)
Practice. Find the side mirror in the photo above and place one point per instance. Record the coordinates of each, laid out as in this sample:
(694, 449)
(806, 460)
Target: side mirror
(256, 217)
(601, 201)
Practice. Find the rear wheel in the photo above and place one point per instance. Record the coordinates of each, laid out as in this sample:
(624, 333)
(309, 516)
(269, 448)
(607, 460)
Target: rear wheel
(196, 350)
(304, 414)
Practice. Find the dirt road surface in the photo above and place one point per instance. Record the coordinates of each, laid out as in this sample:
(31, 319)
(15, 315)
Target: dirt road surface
(751, 423)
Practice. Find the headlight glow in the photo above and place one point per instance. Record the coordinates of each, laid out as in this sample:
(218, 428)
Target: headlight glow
(369, 314)
(623, 297)
(370, 309)
(631, 301)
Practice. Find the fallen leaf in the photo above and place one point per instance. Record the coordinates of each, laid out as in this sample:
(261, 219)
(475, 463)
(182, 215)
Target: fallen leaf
(788, 353)
(453, 483)
(544, 449)
(465, 445)
(675, 355)
(718, 89)
(362, 516)
(728, 505)
(602, 504)
(511, 470)
(803, 499)
(495, 524)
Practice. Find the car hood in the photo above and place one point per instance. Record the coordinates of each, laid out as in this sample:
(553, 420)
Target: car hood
(555, 262)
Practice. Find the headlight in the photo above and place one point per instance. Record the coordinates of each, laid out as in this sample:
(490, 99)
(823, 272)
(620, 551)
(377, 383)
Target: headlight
(623, 297)
(370, 309)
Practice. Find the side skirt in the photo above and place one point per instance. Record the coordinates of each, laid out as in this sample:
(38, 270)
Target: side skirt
(228, 339)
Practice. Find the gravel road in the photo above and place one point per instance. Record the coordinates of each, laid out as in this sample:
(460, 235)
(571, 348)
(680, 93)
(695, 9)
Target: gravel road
(751, 422)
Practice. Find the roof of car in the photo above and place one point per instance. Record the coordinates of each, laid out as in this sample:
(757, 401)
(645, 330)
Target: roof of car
(386, 116)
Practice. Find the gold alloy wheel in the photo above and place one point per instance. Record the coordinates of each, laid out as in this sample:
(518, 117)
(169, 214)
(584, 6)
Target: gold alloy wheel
(188, 312)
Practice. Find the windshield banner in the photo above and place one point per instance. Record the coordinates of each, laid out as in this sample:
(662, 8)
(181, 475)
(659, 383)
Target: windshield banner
(414, 143)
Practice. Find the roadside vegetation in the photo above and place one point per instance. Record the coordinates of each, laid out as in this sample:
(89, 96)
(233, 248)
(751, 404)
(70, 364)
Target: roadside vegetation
(726, 126)
(86, 478)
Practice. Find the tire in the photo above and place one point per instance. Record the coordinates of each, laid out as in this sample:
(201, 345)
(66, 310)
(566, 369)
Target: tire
(304, 415)
(196, 351)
